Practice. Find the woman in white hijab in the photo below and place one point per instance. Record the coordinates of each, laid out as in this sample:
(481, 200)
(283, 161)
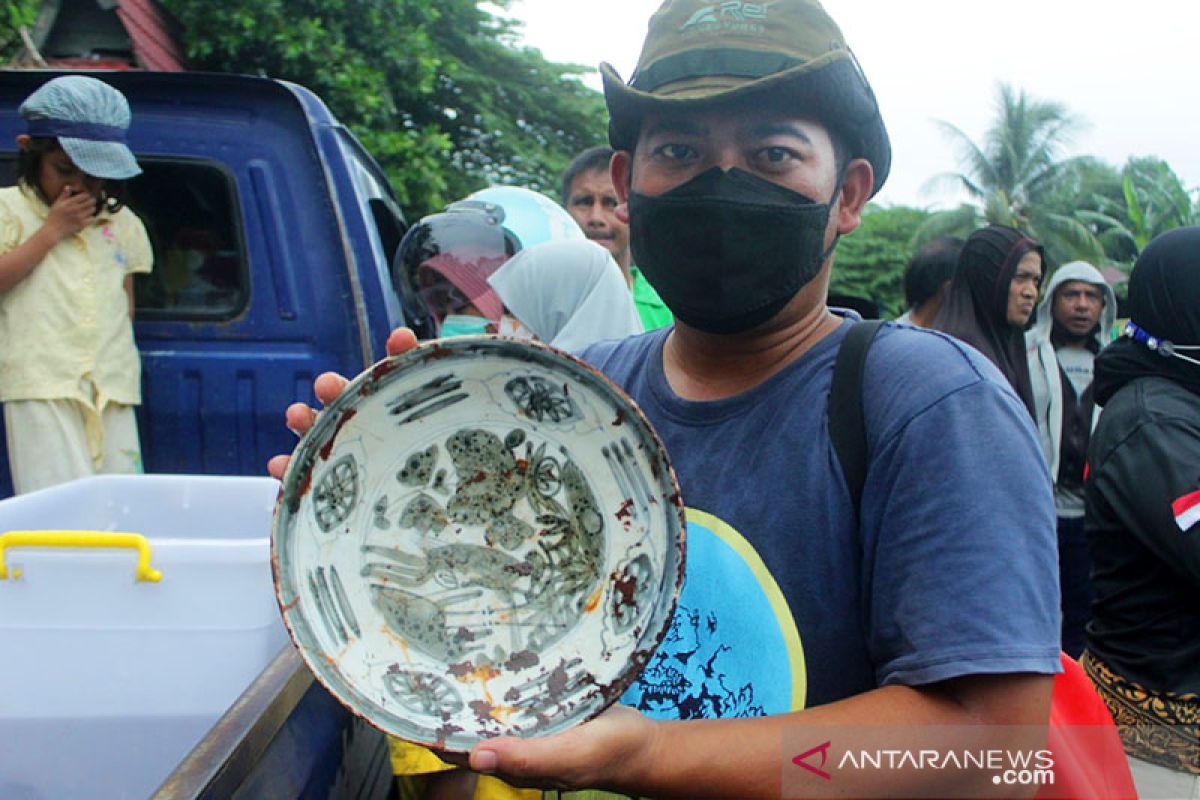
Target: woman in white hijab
(568, 294)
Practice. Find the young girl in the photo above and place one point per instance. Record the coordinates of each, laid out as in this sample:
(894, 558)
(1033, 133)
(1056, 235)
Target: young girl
(69, 369)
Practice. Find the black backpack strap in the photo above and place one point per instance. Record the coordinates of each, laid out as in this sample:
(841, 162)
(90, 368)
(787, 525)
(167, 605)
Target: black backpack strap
(847, 427)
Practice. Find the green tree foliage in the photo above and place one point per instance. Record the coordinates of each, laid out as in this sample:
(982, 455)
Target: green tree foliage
(1009, 177)
(1150, 199)
(15, 15)
(1084, 181)
(517, 119)
(1089, 189)
(870, 262)
(438, 92)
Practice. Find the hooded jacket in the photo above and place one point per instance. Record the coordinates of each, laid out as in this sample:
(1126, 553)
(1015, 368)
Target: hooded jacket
(1043, 363)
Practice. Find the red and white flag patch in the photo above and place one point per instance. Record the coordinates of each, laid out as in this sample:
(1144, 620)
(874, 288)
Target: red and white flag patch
(1187, 510)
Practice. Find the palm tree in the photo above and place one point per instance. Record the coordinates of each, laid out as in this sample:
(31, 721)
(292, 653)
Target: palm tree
(1007, 177)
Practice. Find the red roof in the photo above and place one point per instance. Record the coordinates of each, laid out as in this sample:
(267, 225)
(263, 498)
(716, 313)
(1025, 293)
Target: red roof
(150, 31)
(153, 43)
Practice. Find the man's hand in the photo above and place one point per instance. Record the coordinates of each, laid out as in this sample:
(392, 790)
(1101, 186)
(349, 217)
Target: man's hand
(327, 387)
(595, 755)
(71, 212)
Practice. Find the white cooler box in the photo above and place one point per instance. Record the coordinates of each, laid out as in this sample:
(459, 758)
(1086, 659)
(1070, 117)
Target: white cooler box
(107, 682)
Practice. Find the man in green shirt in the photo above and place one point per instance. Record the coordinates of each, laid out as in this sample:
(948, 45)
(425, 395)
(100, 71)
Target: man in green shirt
(589, 197)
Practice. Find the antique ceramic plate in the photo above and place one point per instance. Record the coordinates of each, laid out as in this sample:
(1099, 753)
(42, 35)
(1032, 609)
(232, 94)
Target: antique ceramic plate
(480, 537)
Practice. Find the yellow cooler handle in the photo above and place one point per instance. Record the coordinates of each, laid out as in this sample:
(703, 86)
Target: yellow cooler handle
(81, 539)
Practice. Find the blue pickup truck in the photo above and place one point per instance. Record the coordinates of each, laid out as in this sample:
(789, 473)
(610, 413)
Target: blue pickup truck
(273, 232)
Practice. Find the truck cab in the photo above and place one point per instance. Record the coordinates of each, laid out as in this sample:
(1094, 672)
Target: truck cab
(273, 231)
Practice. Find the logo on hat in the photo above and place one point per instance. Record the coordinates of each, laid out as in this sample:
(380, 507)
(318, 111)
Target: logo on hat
(735, 11)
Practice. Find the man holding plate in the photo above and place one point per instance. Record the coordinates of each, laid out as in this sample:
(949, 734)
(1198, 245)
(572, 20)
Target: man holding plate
(748, 142)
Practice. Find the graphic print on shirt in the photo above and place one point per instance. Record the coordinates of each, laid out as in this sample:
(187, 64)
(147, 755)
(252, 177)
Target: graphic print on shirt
(118, 253)
(733, 649)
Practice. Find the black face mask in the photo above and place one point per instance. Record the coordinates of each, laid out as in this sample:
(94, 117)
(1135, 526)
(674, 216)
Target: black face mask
(728, 250)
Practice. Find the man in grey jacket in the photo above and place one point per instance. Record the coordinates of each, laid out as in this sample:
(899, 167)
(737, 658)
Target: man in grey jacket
(1074, 321)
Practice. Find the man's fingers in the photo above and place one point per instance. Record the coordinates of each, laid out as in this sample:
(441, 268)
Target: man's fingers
(544, 762)
(300, 418)
(328, 386)
(531, 763)
(520, 766)
(484, 760)
(595, 753)
(277, 466)
(400, 341)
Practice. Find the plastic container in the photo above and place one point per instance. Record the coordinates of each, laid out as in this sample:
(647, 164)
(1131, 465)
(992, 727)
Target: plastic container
(109, 681)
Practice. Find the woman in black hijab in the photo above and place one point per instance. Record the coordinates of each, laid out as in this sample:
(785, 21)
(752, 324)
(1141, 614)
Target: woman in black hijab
(991, 298)
(1143, 521)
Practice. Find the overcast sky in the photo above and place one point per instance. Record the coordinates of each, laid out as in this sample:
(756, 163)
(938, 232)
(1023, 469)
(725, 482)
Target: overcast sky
(1130, 71)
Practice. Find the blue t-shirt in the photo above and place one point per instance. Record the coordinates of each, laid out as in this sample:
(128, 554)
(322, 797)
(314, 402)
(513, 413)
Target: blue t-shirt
(789, 602)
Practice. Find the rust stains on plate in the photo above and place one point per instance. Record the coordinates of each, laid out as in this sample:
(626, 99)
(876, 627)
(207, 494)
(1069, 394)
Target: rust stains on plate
(327, 448)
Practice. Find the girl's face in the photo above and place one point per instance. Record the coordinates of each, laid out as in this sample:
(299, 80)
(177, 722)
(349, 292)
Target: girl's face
(57, 172)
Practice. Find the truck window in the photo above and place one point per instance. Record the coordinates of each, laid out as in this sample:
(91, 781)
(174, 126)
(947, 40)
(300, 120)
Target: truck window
(371, 184)
(200, 265)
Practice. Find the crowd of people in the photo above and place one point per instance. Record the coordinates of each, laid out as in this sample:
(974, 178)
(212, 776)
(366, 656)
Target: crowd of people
(1032, 475)
(1125, 480)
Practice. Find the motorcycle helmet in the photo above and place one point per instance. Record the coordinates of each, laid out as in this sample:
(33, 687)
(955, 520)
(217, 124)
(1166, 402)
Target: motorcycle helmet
(532, 216)
(443, 263)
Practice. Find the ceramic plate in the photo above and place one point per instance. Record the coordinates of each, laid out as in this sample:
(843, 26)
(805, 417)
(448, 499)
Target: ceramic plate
(481, 537)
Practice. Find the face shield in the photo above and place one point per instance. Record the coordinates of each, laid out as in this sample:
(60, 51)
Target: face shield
(443, 263)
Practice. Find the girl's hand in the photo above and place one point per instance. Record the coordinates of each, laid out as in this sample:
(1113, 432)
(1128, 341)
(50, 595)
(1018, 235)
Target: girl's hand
(72, 212)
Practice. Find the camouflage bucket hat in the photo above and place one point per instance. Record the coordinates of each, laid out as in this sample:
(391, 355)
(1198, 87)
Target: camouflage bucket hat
(698, 54)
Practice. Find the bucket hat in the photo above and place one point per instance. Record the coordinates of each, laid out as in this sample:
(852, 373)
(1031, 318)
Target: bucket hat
(89, 118)
(698, 54)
